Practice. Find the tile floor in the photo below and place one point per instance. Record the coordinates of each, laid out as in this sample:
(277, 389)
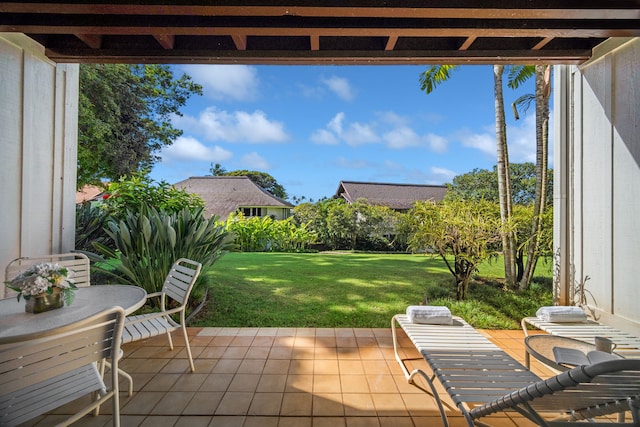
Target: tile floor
(279, 377)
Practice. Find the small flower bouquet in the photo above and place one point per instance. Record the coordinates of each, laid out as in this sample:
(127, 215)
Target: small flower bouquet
(44, 279)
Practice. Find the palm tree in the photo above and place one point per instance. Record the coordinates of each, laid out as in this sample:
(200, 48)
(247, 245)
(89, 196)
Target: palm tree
(438, 74)
(542, 75)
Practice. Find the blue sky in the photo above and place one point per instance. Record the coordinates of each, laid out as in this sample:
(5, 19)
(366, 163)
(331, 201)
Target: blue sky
(312, 126)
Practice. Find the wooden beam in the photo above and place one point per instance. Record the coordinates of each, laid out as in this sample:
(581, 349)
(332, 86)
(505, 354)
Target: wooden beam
(595, 10)
(167, 41)
(542, 43)
(94, 41)
(391, 43)
(467, 43)
(240, 41)
(315, 42)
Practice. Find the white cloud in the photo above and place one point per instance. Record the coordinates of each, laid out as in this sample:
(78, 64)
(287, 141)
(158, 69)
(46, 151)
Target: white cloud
(340, 86)
(440, 175)
(254, 161)
(186, 149)
(236, 82)
(484, 142)
(236, 126)
(351, 164)
(335, 124)
(324, 137)
(360, 134)
(437, 143)
(402, 137)
(522, 140)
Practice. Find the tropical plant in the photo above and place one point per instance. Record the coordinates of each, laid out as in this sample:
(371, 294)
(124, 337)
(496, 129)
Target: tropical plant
(264, 234)
(90, 222)
(124, 117)
(138, 190)
(148, 242)
(462, 233)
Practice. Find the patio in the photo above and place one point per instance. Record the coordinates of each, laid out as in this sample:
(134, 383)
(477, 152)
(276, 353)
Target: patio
(280, 377)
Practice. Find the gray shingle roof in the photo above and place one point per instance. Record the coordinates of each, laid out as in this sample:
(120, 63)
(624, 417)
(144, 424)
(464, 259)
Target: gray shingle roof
(395, 196)
(225, 194)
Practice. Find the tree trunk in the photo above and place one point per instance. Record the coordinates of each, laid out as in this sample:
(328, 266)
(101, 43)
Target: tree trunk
(504, 185)
(543, 89)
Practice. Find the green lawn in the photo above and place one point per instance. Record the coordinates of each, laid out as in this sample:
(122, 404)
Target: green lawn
(349, 290)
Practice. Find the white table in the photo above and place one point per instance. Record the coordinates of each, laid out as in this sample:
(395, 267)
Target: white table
(14, 321)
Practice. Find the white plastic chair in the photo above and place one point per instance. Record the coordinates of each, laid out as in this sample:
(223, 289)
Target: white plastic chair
(78, 263)
(42, 371)
(177, 287)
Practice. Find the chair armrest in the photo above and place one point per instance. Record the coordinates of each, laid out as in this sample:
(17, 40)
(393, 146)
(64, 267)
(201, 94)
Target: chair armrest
(154, 294)
(154, 315)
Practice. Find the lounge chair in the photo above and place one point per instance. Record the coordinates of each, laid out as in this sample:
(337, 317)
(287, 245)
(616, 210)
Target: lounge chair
(481, 379)
(627, 345)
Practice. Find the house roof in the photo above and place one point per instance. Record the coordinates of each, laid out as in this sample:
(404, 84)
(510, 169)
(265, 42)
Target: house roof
(225, 194)
(395, 196)
(321, 31)
(88, 192)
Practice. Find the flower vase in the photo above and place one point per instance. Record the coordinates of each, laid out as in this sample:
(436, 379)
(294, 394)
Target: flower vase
(44, 302)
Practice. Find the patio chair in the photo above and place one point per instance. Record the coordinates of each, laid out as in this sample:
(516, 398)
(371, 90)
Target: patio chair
(627, 345)
(481, 379)
(43, 371)
(78, 263)
(176, 289)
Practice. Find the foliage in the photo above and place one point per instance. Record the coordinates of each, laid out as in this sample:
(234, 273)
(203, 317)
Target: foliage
(148, 242)
(130, 194)
(351, 290)
(261, 179)
(466, 231)
(124, 117)
(90, 222)
(261, 234)
(483, 184)
(353, 226)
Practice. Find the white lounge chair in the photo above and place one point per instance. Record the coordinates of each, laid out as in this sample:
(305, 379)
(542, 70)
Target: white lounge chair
(481, 379)
(42, 371)
(177, 287)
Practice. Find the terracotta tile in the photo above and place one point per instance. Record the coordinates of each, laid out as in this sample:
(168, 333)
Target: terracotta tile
(304, 341)
(258, 352)
(363, 422)
(389, 404)
(324, 341)
(295, 422)
(235, 352)
(346, 341)
(173, 403)
(305, 332)
(267, 332)
(376, 367)
(159, 421)
(235, 403)
(176, 366)
(303, 353)
(296, 404)
(286, 332)
(329, 422)
(354, 384)
(227, 421)
(213, 352)
(344, 332)
(327, 404)
(209, 331)
(350, 353)
(203, 403)
(301, 366)
(280, 353)
(325, 367)
(200, 340)
(262, 341)
(326, 384)
(358, 405)
(193, 421)
(396, 422)
(363, 332)
(226, 366)
(241, 341)
(244, 382)
(325, 353)
(217, 382)
(142, 402)
(189, 382)
(325, 332)
(258, 421)
(350, 367)
(162, 382)
(272, 383)
(299, 383)
(248, 332)
(266, 404)
(251, 366)
(276, 366)
(382, 384)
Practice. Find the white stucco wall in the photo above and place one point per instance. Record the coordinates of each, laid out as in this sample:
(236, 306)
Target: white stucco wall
(38, 142)
(602, 172)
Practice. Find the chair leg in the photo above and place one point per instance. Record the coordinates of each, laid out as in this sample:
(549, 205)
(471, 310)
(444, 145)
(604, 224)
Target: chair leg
(170, 340)
(188, 347)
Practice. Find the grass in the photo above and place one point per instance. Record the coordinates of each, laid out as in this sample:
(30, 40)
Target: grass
(350, 290)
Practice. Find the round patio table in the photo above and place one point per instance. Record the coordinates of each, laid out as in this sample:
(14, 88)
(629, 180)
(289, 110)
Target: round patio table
(90, 300)
(541, 348)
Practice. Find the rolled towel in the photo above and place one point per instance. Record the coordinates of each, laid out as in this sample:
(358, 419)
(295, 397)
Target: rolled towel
(561, 313)
(429, 314)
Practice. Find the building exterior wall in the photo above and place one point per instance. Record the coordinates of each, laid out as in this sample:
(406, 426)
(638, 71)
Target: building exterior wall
(597, 230)
(38, 142)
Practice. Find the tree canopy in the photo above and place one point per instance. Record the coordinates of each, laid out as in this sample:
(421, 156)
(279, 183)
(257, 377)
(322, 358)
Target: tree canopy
(124, 117)
(483, 184)
(262, 179)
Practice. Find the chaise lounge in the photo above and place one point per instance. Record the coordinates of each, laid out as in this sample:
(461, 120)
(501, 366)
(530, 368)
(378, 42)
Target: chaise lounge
(481, 379)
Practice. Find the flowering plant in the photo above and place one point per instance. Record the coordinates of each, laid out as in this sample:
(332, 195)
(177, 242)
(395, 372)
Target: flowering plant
(44, 278)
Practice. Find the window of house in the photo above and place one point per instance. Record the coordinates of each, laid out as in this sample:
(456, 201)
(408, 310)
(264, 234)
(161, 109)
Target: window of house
(251, 211)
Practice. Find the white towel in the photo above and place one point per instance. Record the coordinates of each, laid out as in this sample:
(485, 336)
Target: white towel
(561, 313)
(429, 314)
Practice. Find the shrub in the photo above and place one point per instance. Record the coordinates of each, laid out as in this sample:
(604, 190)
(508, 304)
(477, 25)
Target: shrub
(149, 241)
(264, 234)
